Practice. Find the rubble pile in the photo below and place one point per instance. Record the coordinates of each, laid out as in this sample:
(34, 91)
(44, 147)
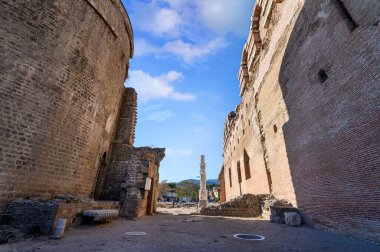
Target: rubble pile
(247, 205)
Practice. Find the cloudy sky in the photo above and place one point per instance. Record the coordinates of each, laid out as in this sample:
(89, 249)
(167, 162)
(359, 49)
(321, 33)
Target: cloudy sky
(187, 56)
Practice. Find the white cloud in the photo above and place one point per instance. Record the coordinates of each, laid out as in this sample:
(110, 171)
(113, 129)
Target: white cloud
(189, 52)
(176, 22)
(157, 87)
(182, 152)
(158, 116)
(186, 52)
(176, 17)
(166, 22)
(160, 21)
(144, 48)
(225, 16)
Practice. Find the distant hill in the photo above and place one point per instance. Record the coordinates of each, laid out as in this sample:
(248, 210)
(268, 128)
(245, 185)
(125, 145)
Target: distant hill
(197, 181)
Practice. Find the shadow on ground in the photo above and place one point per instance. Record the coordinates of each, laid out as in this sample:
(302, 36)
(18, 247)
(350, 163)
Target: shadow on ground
(192, 233)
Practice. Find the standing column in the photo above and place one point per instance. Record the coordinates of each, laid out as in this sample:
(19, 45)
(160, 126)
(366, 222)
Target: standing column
(202, 189)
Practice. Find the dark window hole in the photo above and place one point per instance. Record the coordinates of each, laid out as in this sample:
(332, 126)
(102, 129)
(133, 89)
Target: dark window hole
(322, 75)
(275, 128)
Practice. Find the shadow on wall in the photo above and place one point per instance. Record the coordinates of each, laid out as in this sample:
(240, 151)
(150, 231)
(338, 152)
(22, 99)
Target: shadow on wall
(329, 78)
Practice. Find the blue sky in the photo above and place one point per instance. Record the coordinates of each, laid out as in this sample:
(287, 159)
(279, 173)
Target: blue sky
(187, 56)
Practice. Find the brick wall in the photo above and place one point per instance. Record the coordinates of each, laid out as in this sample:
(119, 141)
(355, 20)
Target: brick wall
(333, 129)
(314, 90)
(124, 137)
(126, 178)
(222, 183)
(63, 64)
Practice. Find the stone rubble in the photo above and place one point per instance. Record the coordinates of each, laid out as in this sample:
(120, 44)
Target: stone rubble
(247, 205)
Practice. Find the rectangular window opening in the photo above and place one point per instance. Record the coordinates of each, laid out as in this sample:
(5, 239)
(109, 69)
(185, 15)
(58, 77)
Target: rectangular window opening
(247, 169)
(239, 171)
(229, 173)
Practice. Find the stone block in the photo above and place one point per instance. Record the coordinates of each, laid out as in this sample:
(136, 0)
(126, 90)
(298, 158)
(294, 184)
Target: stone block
(292, 218)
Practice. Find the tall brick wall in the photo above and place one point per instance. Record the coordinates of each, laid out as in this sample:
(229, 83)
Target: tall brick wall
(123, 139)
(332, 135)
(124, 178)
(63, 64)
(315, 83)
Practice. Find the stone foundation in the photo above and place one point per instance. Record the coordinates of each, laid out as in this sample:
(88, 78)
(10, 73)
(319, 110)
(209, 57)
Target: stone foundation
(37, 215)
(248, 205)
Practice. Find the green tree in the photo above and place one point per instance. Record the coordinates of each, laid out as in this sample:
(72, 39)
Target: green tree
(163, 187)
(172, 185)
(187, 189)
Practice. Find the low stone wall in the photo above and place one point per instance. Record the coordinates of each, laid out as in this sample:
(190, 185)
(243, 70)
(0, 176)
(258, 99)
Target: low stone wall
(38, 215)
(248, 205)
(73, 212)
(232, 211)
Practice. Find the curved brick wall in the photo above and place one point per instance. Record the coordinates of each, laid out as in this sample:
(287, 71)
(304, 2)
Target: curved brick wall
(62, 69)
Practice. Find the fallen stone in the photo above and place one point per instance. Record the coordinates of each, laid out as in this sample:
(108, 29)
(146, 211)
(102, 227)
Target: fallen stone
(101, 215)
(292, 218)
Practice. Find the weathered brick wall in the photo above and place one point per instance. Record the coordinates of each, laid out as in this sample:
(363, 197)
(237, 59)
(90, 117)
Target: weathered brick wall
(125, 132)
(315, 84)
(63, 64)
(222, 183)
(126, 177)
(123, 179)
(124, 136)
(332, 135)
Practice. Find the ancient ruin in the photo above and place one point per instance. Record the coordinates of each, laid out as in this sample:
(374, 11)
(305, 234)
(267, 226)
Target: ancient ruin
(67, 121)
(202, 187)
(301, 147)
(306, 129)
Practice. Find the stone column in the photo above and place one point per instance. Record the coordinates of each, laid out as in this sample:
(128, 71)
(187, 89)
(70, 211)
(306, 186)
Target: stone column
(202, 189)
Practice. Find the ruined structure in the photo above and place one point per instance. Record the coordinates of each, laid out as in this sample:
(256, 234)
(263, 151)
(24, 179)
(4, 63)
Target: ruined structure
(132, 175)
(202, 186)
(222, 182)
(67, 123)
(307, 127)
(60, 92)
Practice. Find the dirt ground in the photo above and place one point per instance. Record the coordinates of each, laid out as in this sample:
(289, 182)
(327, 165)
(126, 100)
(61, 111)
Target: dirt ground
(167, 232)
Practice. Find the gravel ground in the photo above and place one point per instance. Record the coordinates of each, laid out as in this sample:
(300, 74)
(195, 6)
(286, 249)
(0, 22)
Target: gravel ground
(166, 232)
(177, 211)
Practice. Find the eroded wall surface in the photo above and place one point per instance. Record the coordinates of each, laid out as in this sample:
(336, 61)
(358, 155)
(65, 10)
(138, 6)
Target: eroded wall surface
(310, 86)
(125, 177)
(62, 69)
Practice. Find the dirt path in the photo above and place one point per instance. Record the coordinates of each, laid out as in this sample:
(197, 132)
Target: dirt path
(166, 232)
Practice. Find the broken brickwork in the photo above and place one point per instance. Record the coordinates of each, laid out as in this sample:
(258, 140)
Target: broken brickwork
(307, 127)
(125, 178)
